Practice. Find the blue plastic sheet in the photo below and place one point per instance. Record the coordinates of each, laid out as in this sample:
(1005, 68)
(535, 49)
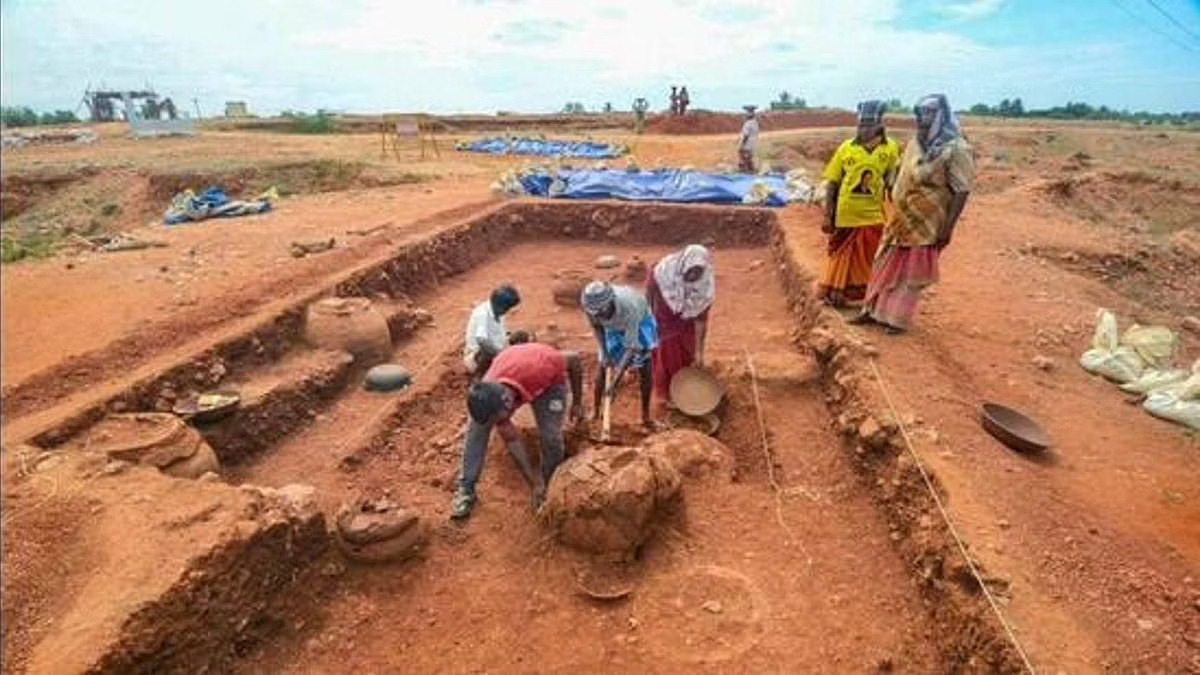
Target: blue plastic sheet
(212, 203)
(535, 146)
(664, 185)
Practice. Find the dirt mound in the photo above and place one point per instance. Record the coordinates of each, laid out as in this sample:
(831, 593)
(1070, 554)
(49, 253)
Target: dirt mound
(605, 499)
(1160, 276)
(320, 175)
(18, 193)
(690, 452)
(1134, 200)
(731, 123)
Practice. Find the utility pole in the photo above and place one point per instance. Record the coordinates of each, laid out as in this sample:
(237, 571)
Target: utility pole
(196, 102)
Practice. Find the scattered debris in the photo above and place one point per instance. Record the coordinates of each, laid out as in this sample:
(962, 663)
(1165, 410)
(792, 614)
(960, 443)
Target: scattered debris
(1044, 362)
(302, 248)
(365, 232)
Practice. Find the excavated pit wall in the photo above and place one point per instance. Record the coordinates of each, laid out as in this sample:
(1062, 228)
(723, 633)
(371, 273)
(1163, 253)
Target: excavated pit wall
(420, 267)
(969, 637)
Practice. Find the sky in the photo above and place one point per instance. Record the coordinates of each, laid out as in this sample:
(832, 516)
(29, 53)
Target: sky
(535, 55)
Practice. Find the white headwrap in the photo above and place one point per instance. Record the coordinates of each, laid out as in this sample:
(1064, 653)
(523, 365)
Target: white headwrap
(688, 300)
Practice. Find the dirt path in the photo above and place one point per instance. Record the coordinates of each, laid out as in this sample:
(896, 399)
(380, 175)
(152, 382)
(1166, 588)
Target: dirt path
(1100, 542)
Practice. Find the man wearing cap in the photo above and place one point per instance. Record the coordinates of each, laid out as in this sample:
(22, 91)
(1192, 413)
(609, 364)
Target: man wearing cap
(748, 142)
(532, 373)
(627, 334)
(486, 335)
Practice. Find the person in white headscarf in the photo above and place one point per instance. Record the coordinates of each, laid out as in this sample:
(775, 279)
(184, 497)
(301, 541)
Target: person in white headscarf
(936, 173)
(681, 290)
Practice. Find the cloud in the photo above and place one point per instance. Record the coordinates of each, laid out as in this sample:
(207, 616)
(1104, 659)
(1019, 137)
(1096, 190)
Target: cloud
(530, 55)
(971, 10)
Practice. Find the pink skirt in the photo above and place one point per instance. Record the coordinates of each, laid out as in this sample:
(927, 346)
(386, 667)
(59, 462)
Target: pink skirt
(897, 279)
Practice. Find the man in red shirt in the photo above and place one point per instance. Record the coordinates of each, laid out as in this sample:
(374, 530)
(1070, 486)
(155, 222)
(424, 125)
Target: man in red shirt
(533, 373)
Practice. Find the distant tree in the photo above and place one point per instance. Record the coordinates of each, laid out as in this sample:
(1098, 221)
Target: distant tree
(895, 104)
(608, 107)
(574, 108)
(18, 117)
(58, 117)
(787, 101)
(981, 109)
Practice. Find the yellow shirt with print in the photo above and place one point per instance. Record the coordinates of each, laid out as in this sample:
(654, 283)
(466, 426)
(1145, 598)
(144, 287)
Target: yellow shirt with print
(860, 175)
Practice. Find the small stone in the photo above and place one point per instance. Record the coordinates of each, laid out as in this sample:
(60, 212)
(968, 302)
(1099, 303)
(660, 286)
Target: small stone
(333, 568)
(605, 262)
(1069, 256)
(712, 606)
(1192, 323)
(634, 623)
(1043, 362)
(209, 477)
(755, 264)
(1003, 524)
(1145, 624)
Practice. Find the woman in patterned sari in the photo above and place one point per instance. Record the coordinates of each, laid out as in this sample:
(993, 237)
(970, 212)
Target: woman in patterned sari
(936, 173)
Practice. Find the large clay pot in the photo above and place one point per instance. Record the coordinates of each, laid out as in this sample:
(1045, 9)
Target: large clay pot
(567, 287)
(161, 440)
(349, 324)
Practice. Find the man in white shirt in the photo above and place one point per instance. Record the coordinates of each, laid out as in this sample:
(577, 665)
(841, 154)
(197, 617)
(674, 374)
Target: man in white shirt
(486, 335)
(748, 142)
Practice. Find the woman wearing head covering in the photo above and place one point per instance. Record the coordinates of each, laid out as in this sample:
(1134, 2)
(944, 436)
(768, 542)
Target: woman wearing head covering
(681, 290)
(857, 177)
(931, 190)
(626, 333)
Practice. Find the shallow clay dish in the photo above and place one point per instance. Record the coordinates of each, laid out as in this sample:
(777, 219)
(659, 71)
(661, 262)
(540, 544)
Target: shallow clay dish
(695, 391)
(604, 581)
(208, 407)
(1014, 429)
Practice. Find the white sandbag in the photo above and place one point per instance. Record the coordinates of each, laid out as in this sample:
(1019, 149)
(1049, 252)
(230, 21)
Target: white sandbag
(1155, 344)
(1152, 380)
(1179, 403)
(1119, 365)
(1106, 333)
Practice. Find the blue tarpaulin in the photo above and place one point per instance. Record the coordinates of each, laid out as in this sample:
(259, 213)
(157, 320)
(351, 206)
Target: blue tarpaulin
(665, 185)
(188, 206)
(548, 148)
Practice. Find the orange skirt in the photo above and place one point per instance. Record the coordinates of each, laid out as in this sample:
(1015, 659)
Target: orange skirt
(848, 265)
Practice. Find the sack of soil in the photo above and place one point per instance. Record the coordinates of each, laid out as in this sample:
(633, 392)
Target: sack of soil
(376, 531)
(606, 499)
(161, 440)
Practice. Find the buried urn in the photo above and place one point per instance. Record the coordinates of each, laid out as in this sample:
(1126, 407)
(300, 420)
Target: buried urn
(607, 499)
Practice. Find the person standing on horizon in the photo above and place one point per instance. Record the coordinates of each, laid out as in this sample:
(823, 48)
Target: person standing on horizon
(748, 142)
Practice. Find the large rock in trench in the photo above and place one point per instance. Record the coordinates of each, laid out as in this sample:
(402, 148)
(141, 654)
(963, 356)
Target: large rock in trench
(690, 452)
(606, 499)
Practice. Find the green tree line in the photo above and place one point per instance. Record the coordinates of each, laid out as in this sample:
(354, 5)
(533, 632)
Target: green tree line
(1079, 111)
(19, 116)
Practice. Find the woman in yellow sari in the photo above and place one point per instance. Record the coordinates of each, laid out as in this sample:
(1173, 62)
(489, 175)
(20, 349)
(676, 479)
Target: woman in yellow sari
(857, 179)
(936, 173)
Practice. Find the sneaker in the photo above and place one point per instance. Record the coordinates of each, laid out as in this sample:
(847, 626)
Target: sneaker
(461, 507)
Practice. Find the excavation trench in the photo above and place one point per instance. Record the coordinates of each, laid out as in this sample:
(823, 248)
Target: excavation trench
(817, 547)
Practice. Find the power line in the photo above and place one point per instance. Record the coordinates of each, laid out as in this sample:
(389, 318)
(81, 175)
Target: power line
(1172, 19)
(1156, 29)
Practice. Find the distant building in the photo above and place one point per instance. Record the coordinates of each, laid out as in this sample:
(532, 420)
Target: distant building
(236, 109)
